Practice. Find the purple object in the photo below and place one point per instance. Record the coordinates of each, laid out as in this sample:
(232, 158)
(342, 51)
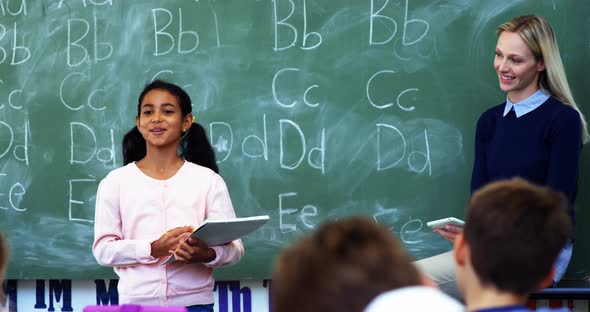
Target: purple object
(133, 308)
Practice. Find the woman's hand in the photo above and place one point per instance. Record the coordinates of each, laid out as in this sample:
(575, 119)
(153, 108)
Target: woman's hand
(169, 241)
(449, 232)
(193, 250)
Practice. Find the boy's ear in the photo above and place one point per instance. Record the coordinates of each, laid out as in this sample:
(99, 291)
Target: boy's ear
(460, 250)
(548, 280)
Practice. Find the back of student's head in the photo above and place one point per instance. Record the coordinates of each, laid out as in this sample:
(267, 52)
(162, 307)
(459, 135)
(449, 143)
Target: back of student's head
(515, 231)
(340, 267)
(194, 144)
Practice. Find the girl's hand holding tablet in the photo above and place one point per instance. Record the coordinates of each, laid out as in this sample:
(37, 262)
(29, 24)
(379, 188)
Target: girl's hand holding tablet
(169, 241)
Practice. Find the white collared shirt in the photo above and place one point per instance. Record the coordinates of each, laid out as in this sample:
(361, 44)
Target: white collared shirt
(527, 105)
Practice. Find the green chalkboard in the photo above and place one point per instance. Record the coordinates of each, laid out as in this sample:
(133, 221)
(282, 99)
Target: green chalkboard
(317, 109)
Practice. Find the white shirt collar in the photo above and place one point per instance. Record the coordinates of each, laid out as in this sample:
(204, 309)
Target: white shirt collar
(527, 105)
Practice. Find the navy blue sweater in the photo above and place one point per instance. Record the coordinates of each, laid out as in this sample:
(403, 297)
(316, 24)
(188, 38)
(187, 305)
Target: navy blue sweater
(542, 146)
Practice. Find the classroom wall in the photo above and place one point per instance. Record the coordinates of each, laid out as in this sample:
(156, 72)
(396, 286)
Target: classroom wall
(74, 295)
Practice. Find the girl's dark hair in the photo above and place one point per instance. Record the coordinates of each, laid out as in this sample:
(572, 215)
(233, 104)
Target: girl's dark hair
(194, 144)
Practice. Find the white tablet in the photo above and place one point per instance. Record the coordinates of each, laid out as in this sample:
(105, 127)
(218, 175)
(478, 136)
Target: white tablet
(441, 223)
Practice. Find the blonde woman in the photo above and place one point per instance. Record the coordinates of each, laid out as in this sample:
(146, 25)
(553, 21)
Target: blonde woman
(536, 134)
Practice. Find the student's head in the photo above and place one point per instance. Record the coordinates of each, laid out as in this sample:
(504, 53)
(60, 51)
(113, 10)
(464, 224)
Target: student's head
(529, 59)
(340, 267)
(164, 118)
(513, 234)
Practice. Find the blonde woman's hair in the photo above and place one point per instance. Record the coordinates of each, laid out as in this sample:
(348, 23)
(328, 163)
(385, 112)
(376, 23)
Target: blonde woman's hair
(539, 37)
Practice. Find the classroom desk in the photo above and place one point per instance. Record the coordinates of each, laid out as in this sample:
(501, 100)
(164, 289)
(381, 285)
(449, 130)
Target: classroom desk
(578, 289)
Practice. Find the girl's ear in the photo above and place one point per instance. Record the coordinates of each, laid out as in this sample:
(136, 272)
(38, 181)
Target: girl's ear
(541, 66)
(137, 121)
(188, 120)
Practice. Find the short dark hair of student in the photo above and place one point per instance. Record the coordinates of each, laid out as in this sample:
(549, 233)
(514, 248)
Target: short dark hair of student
(515, 231)
(194, 145)
(340, 267)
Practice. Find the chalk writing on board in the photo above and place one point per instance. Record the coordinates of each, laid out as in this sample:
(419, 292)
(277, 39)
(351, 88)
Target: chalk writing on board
(10, 98)
(75, 47)
(73, 203)
(165, 71)
(286, 227)
(66, 87)
(388, 157)
(19, 54)
(281, 24)
(415, 155)
(19, 151)
(84, 3)
(320, 160)
(386, 105)
(217, 40)
(84, 146)
(15, 176)
(409, 228)
(390, 216)
(285, 124)
(11, 95)
(220, 142)
(306, 215)
(262, 141)
(375, 15)
(15, 195)
(5, 7)
(11, 136)
(294, 102)
(399, 153)
(161, 32)
(293, 146)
